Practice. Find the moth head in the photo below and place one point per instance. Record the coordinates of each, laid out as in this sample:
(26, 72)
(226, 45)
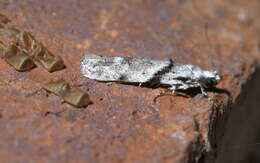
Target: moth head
(209, 79)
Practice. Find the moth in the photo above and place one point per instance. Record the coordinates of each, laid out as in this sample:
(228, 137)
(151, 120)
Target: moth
(167, 73)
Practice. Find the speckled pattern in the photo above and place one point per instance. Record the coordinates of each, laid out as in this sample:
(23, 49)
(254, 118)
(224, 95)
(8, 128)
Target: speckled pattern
(125, 123)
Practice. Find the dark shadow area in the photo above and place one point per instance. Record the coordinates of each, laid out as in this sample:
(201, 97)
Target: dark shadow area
(238, 138)
(190, 92)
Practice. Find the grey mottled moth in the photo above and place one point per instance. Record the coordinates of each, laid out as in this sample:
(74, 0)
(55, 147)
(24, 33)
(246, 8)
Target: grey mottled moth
(154, 72)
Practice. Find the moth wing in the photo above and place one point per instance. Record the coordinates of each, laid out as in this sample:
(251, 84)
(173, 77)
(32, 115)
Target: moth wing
(143, 70)
(105, 68)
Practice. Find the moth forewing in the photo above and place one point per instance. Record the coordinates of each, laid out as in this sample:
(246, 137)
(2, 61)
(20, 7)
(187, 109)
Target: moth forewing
(175, 76)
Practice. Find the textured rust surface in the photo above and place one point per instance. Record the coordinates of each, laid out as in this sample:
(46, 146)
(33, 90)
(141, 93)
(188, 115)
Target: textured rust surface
(124, 123)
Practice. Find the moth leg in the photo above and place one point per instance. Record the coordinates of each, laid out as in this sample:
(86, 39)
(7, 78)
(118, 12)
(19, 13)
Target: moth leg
(173, 88)
(204, 93)
(161, 94)
(109, 83)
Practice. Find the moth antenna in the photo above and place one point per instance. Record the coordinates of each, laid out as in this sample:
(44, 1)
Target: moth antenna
(212, 49)
(207, 34)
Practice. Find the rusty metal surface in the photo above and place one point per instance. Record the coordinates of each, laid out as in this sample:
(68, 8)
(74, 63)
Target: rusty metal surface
(124, 123)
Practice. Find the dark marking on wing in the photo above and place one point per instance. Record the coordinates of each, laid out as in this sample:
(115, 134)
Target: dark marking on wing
(123, 77)
(128, 60)
(182, 78)
(155, 80)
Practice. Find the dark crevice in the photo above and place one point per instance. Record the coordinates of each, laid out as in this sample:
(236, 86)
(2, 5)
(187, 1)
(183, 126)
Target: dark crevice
(236, 134)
